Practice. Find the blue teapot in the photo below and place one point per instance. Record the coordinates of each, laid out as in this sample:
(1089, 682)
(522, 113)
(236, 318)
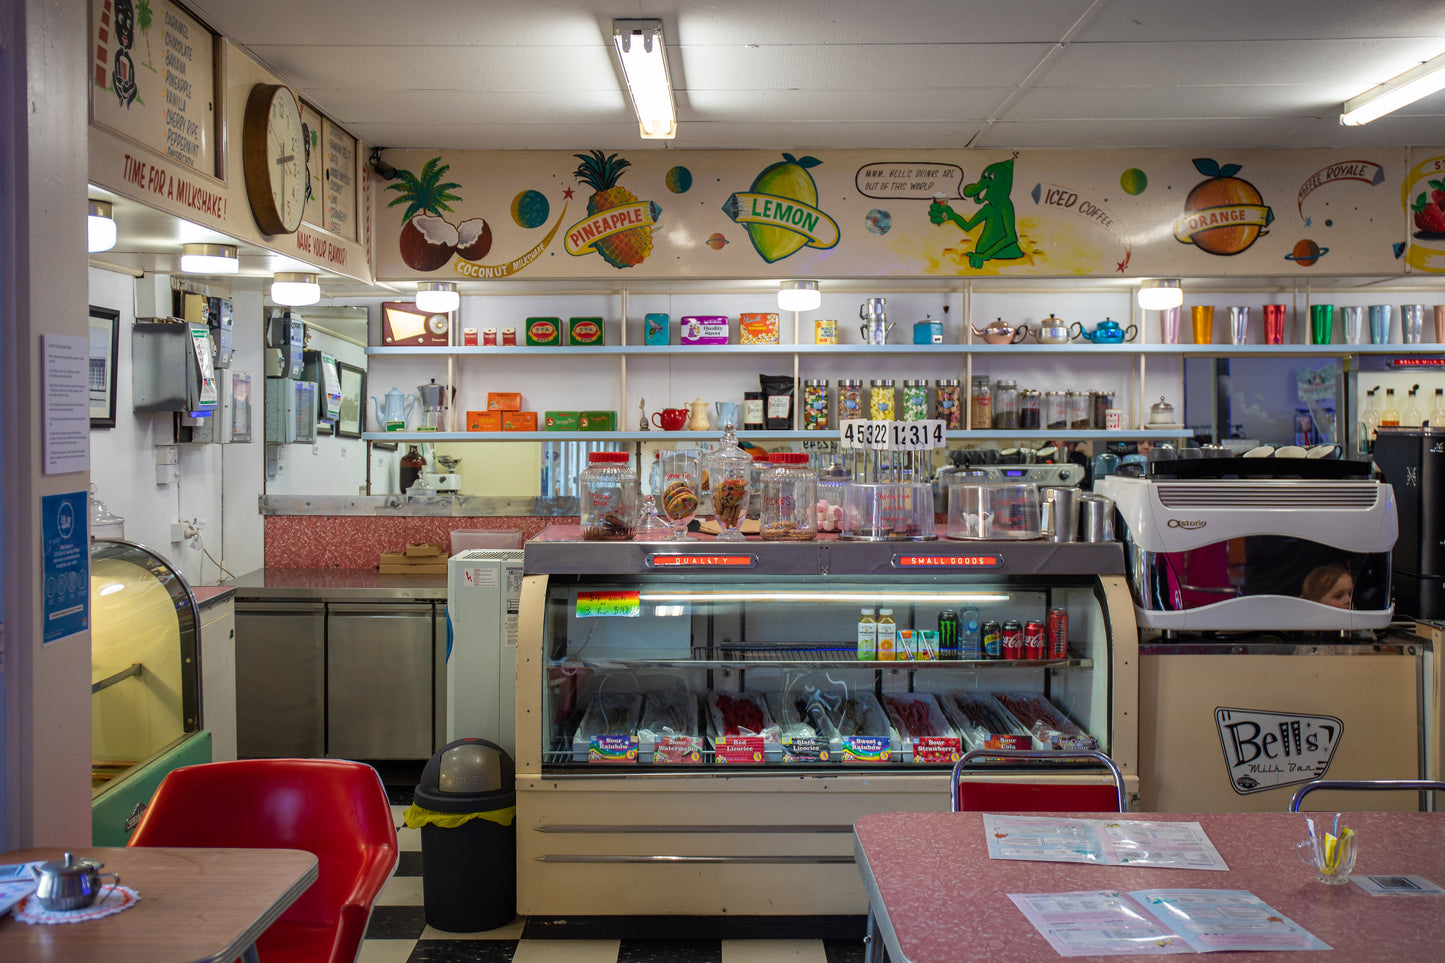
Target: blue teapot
(1106, 332)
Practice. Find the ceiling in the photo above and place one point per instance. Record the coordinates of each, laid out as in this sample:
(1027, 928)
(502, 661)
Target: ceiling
(835, 74)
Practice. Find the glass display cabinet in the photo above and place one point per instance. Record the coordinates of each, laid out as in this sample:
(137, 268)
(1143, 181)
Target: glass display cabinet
(698, 716)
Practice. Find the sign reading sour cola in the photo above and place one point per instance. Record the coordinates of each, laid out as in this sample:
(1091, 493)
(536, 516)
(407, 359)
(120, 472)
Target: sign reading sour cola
(1265, 750)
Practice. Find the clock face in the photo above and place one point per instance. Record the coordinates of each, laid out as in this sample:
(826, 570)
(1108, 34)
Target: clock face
(286, 158)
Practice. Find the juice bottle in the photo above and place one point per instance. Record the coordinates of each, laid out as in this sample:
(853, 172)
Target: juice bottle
(867, 636)
(887, 635)
(1390, 416)
(1411, 417)
(1370, 419)
(1437, 417)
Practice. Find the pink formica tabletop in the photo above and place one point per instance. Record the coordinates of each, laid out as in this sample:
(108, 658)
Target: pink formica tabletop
(939, 898)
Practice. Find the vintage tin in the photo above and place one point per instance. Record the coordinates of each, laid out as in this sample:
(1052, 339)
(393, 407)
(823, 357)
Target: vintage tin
(544, 331)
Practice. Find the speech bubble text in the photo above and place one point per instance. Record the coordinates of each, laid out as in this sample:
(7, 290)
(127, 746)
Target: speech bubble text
(905, 179)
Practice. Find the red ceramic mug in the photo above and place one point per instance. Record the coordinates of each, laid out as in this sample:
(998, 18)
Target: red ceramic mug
(672, 418)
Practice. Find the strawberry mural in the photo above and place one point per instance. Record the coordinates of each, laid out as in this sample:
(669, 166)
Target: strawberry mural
(780, 210)
(618, 225)
(1429, 211)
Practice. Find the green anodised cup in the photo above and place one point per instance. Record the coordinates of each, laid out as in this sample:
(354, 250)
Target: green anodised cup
(1322, 320)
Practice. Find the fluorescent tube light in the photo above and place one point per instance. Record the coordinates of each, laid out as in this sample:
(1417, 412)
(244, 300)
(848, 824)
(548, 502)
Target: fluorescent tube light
(644, 65)
(1417, 82)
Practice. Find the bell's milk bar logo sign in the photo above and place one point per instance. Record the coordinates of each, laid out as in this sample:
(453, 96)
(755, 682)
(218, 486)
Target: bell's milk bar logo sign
(1266, 750)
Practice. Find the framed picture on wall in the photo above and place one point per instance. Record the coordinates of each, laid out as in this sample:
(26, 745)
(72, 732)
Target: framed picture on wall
(352, 419)
(104, 343)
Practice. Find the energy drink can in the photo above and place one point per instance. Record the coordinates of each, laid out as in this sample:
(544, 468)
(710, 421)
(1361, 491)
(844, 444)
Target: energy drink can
(1035, 641)
(1058, 634)
(948, 634)
(1012, 640)
(992, 640)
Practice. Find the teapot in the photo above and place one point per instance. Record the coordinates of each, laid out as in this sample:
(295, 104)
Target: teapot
(697, 421)
(875, 327)
(1000, 331)
(1053, 330)
(398, 409)
(69, 883)
(1106, 332)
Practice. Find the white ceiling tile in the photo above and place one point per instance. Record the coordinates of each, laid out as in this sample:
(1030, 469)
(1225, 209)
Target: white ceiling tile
(1090, 133)
(862, 67)
(399, 67)
(812, 106)
(1153, 20)
(1045, 103)
(430, 22)
(866, 21)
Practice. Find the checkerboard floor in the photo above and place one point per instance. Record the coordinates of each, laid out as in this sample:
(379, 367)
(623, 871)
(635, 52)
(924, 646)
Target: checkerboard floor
(398, 932)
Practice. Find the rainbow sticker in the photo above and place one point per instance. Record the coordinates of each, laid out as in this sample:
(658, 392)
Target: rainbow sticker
(602, 605)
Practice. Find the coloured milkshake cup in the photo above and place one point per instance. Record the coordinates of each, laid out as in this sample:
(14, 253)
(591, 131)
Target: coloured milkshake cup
(1354, 318)
(1412, 323)
(1169, 324)
(1440, 324)
(1203, 317)
(1274, 324)
(1322, 320)
(1379, 324)
(1238, 325)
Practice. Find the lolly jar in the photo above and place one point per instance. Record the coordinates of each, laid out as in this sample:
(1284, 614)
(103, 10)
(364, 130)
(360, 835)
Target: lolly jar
(790, 497)
(728, 471)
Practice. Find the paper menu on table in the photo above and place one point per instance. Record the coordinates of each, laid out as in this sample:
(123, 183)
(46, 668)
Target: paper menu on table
(16, 882)
(1107, 842)
(1110, 923)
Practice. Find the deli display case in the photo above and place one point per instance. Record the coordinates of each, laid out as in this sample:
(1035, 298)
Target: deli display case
(698, 725)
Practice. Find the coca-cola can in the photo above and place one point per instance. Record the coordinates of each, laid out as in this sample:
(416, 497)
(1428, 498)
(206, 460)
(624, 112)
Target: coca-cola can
(1035, 642)
(1011, 640)
(1058, 634)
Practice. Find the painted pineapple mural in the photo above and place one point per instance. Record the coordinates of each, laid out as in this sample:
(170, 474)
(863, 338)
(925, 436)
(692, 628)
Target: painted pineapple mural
(627, 248)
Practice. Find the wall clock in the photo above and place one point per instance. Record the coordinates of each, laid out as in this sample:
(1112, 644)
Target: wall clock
(273, 156)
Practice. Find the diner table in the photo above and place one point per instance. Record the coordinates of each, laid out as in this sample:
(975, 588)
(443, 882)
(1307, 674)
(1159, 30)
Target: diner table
(935, 895)
(195, 905)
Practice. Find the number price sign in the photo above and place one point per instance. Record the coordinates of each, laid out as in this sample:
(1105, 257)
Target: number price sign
(892, 435)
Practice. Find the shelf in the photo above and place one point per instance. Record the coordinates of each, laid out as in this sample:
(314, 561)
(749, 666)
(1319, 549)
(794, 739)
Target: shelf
(842, 659)
(1213, 350)
(1153, 434)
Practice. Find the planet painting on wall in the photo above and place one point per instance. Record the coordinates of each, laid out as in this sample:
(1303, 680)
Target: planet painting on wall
(678, 180)
(878, 221)
(530, 209)
(1133, 181)
(1306, 252)
(717, 242)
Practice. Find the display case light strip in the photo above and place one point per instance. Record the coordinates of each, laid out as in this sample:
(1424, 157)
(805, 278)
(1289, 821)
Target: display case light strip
(857, 598)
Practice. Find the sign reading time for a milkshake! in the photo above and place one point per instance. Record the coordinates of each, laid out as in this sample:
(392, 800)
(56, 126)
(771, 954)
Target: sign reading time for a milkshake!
(152, 78)
(1266, 750)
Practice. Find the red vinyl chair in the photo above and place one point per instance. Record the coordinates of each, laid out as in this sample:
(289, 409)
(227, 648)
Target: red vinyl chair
(1035, 797)
(335, 809)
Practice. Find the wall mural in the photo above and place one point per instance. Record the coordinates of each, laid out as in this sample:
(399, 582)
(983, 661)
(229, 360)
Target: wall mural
(1103, 213)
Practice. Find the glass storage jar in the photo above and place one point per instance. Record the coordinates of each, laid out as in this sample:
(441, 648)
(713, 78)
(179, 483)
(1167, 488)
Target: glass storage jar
(1030, 402)
(1056, 410)
(790, 496)
(980, 404)
(850, 399)
(913, 406)
(946, 400)
(1080, 411)
(1005, 405)
(1101, 401)
(815, 404)
(729, 470)
(881, 404)
(608, 496)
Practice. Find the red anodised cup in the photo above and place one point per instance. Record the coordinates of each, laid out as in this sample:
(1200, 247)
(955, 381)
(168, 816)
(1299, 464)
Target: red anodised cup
(1274, 324)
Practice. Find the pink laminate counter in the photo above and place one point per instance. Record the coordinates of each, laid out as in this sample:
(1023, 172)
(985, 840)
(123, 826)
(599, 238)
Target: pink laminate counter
(937, 897)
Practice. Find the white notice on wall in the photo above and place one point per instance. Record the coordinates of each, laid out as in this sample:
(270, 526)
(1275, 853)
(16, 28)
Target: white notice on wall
(478, 577)
(65, 403)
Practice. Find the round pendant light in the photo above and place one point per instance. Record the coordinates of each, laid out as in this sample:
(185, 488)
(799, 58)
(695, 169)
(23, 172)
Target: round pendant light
(100, 227)
(209, 259)
(295, 289)
(437, 296)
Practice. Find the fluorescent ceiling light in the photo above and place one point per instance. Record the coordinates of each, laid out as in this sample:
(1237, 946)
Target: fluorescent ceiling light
(100, 227)
(294, 290)
(209, 259)
(1160, 295)
(644, 65)
(799, 296)
(1419, 81)
(437, 297)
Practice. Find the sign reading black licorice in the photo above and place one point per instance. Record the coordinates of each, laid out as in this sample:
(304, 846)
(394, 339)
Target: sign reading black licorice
(892, 435)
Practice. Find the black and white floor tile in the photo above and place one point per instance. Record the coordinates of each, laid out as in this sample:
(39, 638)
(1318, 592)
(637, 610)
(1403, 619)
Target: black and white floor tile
(398, 933)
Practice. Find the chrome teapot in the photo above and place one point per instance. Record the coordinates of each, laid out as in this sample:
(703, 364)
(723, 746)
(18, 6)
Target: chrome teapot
(1000, 331)
(1052, 330)
(69, 883)
(1106, 331)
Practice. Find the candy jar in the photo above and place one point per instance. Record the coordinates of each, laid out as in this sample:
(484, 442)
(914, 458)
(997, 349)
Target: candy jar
(850, 400)
(946, 403)
(880, 400)
(790, 498)
(681, 482)
(608, 497)
(651, 527)
(913, 406)
(728, 469)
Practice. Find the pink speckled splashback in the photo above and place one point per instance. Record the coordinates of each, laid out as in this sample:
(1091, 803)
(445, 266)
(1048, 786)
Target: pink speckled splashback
(357, 541)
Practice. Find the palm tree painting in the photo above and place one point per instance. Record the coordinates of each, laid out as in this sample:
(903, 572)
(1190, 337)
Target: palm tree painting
(143, 21)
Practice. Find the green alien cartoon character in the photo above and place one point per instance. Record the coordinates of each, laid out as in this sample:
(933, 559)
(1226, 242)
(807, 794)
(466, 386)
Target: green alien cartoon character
(999, 239)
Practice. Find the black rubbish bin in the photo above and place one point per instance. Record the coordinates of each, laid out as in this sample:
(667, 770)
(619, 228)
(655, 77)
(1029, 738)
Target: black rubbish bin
(469, 871)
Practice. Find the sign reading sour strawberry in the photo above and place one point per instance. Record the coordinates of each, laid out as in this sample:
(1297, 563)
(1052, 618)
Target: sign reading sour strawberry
(780, 211)
(618, 225)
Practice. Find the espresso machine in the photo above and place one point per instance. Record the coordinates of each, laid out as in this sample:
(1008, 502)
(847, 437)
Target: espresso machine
(1413, 462)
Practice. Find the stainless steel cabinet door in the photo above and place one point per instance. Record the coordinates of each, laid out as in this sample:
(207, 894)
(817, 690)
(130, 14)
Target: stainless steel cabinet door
(379, 677)
(280, 679)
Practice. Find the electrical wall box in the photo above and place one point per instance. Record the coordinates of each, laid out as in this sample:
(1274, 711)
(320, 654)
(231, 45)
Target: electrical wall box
(232, 423)
(290, 412)
(286, 332)
(172, 367)
(215, 313)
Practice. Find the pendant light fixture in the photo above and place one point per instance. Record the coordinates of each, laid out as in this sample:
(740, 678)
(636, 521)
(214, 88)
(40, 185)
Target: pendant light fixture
(100, 227)
(644, 66)
(799, 296)
(437, 297)
(209, 259)
(294, 289)
(1160, 294)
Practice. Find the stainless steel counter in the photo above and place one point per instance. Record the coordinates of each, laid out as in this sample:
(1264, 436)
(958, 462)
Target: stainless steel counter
(337, 585)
